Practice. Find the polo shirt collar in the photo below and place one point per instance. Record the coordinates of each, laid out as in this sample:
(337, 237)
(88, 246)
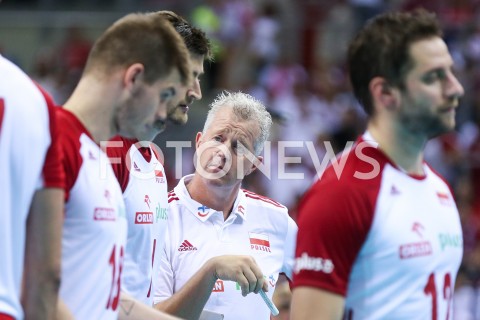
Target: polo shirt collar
(203, 213)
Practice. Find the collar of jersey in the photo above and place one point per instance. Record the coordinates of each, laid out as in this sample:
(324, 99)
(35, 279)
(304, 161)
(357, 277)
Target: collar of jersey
(199, 210)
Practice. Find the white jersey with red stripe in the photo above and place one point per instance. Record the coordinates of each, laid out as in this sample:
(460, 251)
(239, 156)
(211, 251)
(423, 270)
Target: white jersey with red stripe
(28, 161)
(257, 226)
(94, 229)
(144, 185)
(391, 243)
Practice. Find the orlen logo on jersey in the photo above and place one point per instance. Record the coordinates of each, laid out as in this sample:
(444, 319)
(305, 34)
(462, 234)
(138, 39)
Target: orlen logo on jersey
(415, 249)
(104, 214)
(218, 287)
(305, 262)
(144, 218)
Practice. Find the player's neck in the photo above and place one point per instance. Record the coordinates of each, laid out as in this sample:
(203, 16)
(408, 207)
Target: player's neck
(92, 105)
(218, 197)
(403, 148)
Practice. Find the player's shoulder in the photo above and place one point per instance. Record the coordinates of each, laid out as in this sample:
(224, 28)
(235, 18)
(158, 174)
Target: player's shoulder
(358, 168)
(352, 182)
(255, 199)
(119, 145)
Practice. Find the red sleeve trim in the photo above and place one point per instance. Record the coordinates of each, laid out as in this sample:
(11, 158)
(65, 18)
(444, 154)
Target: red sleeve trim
(121, 169)
(53, 173)
(334, 220)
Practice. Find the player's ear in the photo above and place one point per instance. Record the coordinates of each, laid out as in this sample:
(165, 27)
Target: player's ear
(132, 76)
(384, 96)
(198, 137)
(258, 160)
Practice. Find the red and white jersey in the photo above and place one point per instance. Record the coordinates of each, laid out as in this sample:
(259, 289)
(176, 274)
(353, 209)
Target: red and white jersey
(257, 226)
(29, 160)
(391, 243)
(94, 229)
(144, 185)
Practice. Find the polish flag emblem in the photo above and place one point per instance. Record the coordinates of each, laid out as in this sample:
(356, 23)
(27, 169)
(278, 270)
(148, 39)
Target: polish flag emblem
(259, 239)
(444, 198)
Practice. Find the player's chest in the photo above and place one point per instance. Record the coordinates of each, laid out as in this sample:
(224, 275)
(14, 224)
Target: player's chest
(202, 240)
(412, 223)
(95, 197)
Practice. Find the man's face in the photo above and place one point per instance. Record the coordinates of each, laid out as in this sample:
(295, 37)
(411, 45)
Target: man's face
(221, 151)
(145, 112)
(178, 113)
(431, 90)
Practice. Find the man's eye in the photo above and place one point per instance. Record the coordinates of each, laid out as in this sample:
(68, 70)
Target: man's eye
(167, 94)
(434, 76)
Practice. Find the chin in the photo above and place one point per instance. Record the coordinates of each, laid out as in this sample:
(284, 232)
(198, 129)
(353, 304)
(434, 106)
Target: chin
(179, 119)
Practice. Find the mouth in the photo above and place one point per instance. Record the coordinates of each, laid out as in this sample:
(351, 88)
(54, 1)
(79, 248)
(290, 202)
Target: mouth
(183, 107)
(215, 166)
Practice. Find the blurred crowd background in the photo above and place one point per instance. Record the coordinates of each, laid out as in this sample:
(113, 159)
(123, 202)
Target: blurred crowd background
(290, 54)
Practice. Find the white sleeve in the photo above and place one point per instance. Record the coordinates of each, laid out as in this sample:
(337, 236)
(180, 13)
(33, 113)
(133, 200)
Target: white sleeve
(163, 275)
(289, 253)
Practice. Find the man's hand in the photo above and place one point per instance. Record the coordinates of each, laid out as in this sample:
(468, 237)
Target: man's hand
(241, 269)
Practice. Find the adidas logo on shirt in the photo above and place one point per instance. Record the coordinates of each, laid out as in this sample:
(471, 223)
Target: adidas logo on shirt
(186, 246)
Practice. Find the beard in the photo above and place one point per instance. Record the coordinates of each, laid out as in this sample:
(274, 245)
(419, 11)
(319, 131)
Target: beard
(425, 122)
(177, 116)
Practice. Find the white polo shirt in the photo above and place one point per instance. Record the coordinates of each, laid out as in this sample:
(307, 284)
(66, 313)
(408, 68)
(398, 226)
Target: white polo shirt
(144, 185)
(257, 226)
(94, 228)
(391, 244)
(29, 160)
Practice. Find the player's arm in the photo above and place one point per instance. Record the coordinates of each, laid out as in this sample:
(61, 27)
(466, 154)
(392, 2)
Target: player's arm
(63, 312)
(190, 300)
(309, 303)
(132, 309)
(43, 254)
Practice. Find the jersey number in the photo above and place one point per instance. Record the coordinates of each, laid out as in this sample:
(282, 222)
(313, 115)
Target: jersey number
(114, 295)
(431, 289)
(153, 259)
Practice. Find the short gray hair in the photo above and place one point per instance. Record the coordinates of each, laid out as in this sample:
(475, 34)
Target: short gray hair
(246, 108)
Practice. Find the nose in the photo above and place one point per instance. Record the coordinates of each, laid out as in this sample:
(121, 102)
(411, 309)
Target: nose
(195, 92)
(454, 89)
(161, 111)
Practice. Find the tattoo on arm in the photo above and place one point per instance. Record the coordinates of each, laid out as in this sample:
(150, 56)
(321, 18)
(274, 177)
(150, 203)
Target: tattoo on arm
(127, 305)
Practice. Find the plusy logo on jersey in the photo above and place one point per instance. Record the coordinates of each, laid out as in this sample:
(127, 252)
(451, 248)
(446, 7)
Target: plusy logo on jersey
(204, 211)
(161, 213)
(259, 242)
(305, 262)
(186, 246)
